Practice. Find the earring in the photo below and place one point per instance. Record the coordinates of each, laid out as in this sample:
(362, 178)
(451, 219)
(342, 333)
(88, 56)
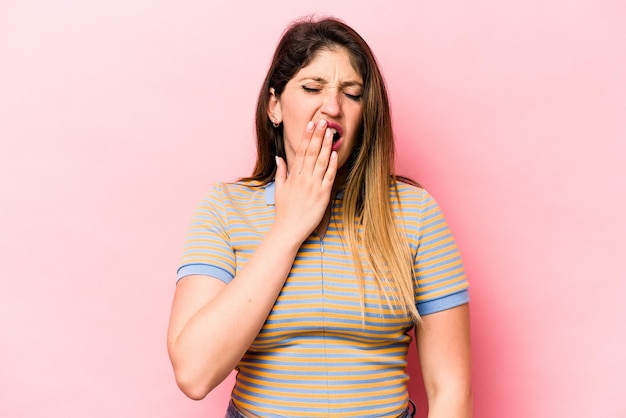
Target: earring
(273, 119)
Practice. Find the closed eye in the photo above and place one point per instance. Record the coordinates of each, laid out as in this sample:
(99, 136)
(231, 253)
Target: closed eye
(315, 90)
(311, 89)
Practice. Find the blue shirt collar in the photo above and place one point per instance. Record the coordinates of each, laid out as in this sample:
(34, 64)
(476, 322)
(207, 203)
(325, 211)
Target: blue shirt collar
(269, 192)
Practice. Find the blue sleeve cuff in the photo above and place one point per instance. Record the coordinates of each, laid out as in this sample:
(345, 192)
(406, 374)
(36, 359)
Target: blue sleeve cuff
(205, 270)
(443, 303)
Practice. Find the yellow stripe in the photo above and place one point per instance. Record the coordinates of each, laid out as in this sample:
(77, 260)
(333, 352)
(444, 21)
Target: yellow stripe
(432, 295)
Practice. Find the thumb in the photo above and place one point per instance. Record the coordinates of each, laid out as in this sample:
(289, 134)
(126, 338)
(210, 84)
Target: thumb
(281, 172)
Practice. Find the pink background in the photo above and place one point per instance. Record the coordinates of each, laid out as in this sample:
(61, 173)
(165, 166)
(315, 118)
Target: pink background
(116, 116)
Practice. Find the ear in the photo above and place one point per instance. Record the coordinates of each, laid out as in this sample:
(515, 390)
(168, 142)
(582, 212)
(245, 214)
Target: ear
(273, 108)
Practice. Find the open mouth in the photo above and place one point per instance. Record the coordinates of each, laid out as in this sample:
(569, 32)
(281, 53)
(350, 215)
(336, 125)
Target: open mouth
(336, 131)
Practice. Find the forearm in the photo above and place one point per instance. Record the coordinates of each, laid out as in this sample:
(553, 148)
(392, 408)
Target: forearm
(450, 405)
(444, 348)
(215, 338)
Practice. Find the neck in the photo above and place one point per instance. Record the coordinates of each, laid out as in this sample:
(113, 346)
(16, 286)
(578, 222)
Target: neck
(340, 181)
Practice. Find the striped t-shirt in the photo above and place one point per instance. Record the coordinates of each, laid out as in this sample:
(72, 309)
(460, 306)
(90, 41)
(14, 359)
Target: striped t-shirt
(316, 356)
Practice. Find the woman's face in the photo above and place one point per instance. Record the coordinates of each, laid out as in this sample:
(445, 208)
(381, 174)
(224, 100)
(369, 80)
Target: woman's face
(327, 88)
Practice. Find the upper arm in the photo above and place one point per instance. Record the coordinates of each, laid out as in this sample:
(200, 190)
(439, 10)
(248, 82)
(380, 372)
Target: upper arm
(192, 293)
(443, 343)
(440, 281)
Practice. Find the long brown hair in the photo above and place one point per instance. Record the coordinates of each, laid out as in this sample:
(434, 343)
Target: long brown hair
(376, 242)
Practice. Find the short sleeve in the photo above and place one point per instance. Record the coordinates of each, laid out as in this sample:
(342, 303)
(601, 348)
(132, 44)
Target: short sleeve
(207, 249)
(440, 281)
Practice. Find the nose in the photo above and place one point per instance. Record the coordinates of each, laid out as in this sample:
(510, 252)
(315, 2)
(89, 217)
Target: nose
(331, 105)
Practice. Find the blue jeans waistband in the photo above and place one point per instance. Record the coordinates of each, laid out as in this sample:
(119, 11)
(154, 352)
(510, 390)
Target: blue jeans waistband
(233, 412)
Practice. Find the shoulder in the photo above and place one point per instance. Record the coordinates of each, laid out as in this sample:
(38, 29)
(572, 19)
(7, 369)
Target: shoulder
(412, 194)
(406, 194)
(228, 202)
(241, 186)
(237, 191)
(415, 207)
(235, 201)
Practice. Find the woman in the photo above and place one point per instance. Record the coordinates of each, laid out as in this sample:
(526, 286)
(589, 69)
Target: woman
(307, 276)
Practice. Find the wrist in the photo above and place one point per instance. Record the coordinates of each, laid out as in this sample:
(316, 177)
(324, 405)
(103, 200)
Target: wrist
(285, 239)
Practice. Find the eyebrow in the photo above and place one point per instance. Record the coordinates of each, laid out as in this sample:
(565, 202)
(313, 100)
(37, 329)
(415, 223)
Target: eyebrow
(348, 83)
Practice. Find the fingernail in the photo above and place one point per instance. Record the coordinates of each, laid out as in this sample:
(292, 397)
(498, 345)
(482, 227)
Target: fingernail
(309, 126)
(322, 123)
(277, 161)
(328, 133)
